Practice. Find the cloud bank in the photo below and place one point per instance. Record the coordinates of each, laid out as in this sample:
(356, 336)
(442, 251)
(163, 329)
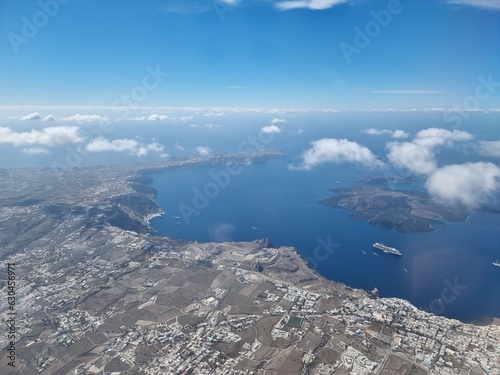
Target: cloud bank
(77, 118)
(418, 156)
(49, 136)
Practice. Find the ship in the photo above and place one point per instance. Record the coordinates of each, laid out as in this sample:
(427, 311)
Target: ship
(497, 263)
(386, 249)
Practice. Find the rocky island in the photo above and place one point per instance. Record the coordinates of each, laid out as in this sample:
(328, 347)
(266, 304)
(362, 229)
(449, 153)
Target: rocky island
(401, 210)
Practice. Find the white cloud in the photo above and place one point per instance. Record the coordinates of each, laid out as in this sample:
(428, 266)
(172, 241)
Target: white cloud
(183, 118)
(400, 134)
(270, 129)
(179, 147)
(84, 118)
(31, 116)
(310, 4)
(404, 92)
(278, 120)
(337, 151)
(127, 145)
(434, 137)
(203, 151)
(47, 137)
(486, 4)
(394, 134)
(35, 150)
(156, 117)
(418, 156)
(209, 114)
(470, 184)
(411, 156)
(49, 118)
(489, 148)
(373, 131)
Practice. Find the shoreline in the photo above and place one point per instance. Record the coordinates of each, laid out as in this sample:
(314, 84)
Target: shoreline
(312, 268)
(150, 217)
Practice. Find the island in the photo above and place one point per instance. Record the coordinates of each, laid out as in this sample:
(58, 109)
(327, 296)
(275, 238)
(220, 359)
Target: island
(401, 210)
(94, 291)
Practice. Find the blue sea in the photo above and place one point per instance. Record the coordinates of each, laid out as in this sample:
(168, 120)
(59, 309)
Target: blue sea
(448, 272)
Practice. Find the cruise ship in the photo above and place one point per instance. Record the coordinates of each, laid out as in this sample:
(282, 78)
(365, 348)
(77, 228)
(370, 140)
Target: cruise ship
(497, 263)
(386, 249)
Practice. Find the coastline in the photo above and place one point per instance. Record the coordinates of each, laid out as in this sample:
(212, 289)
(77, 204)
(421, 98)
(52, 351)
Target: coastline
(150, 217)
(326, 276)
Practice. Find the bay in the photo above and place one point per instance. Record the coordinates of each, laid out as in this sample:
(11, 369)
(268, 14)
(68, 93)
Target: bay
(448, 272)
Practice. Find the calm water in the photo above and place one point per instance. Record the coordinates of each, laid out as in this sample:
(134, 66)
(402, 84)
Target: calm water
(269, 200)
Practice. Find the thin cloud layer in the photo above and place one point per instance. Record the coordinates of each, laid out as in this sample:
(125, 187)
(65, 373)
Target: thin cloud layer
(125, 145)
(308, 4)
(393, 133)
(35, 150)
(84, 118)
(49, 136)
(485, 4)
(470, 184)
(489, 148)
(338, 151)
(77, 118)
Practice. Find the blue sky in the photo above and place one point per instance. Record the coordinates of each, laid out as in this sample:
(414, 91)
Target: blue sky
(258, 53)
